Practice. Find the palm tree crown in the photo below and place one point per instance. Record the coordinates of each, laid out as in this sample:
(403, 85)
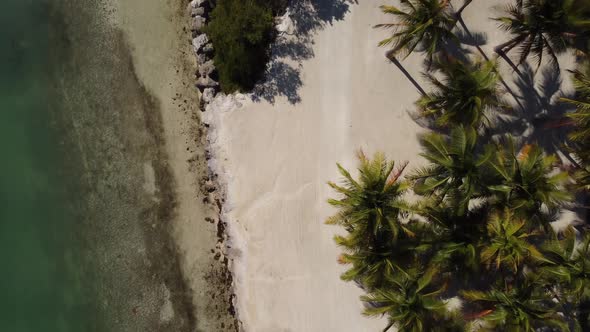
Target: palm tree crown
(520, 308)
(455, 167)
(424, 23)
(580, 135)
(528, 183)
(542, 27)
(370, 211)
(568, 263)
(508, 246)
(411, 303)
(464, 94)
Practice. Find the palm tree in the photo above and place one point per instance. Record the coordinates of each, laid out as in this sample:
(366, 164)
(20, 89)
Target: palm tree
(462, 8)
(376, 267)
(454, 172)
(542, 27)
(581, 116)
(424, 23)
(411, 303)
(464, 94)
(567, 274)
(370, 211)
(528, 183)
(508, 245)
(521, 308)
(581, 119)
(568, 264)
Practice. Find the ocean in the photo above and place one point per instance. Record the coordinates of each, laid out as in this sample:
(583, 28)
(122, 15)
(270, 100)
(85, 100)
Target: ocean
(84, 245)
(45, 283)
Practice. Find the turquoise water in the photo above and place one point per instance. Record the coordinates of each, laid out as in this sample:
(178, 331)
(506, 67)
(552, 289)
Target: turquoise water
(83, 246)
(43, 283)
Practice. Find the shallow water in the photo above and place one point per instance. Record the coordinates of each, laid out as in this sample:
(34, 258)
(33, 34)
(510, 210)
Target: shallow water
(85, 246)
(44, 286)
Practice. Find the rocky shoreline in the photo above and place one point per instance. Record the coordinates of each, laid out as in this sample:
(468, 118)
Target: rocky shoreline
(206, 75)
(211, 187)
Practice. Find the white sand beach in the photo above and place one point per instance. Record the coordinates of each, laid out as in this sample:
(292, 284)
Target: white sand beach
(275, 160)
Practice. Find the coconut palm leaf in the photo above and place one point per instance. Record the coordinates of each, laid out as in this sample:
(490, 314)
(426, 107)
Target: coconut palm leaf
(375, 267)
(370, 210)
(568, 265)
(418, 23)
(543, 28)
(464, 95)
(370, 207)
(580, 136)
(411, 303)
(508, 246)
(528, 183)
(454, 172)
(521, 308)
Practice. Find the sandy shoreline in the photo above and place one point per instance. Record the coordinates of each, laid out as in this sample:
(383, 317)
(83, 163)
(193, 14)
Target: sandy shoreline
(274, 157)
(163, 60)
(130, 114)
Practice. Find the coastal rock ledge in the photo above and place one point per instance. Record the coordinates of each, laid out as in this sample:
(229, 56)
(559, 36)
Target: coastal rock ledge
(206, 74)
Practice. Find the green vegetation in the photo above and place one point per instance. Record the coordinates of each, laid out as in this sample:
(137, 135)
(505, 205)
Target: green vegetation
(241, 32)
(581, 119)
(463, 95)
(474, 249)
(421, 23)
(544, 27)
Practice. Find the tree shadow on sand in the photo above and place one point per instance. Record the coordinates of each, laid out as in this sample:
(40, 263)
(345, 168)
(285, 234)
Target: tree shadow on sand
(282, 77)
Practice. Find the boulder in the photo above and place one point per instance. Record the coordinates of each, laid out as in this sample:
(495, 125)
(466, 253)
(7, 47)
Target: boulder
(206, 82)
(197, 3)
(285, 24)
(197, 11)
(206, 68)
(208, 49)
(199, 42)
(208, 96)
(201, 59)
(198, 23)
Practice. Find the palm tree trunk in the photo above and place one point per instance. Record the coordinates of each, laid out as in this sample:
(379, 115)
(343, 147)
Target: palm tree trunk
(391, 56)
(465, 4)
(512, 43)
(485, 56)
(389, 325)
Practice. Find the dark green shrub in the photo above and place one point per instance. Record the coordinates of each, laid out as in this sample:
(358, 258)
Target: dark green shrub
(241, 31)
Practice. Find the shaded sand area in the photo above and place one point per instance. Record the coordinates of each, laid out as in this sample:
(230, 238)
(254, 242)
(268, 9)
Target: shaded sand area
(127, 113)
(329, 92)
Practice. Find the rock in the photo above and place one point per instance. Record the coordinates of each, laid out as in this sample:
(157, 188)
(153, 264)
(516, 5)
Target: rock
(206, 82)
(207, 97)
(206, 68)
(285, 24)
(197, 11)
(201, 59)
(198, 23)
(208, 49)
(199, 42)
(197, 3)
